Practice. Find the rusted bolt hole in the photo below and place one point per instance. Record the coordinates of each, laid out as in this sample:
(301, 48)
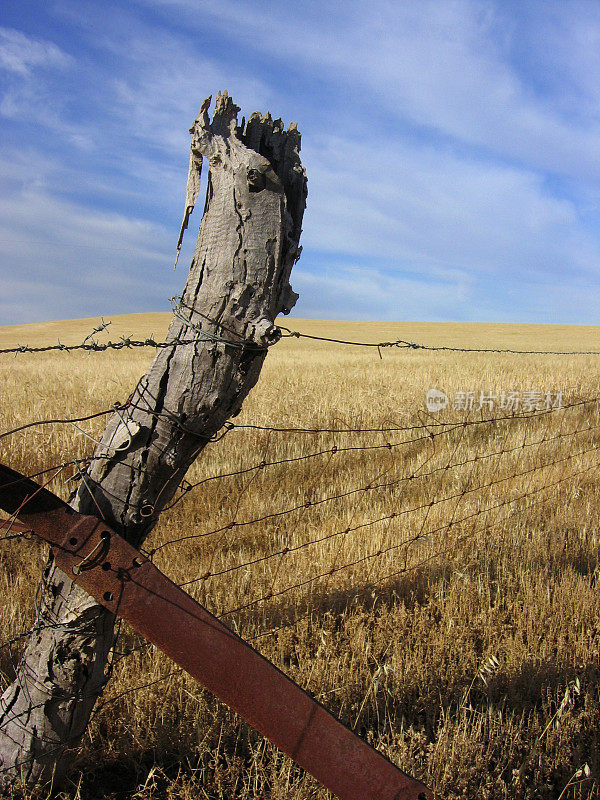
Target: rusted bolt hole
(106, 566)
(72, 541)
(108, 596)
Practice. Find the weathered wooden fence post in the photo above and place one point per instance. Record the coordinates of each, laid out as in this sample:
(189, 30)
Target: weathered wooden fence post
(237, 285)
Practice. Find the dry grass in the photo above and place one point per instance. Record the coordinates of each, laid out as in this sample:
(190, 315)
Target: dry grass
(469, 657)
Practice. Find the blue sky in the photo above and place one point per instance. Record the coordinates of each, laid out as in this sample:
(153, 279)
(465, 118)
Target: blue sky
(452, 150)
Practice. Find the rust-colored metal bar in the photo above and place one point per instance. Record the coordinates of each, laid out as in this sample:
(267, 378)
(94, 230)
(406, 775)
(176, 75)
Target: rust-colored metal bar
(128, 584)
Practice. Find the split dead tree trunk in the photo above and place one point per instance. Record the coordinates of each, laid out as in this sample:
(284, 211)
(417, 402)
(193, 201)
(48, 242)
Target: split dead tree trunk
(237, 285)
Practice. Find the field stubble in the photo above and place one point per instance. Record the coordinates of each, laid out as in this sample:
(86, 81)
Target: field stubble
(460, 636)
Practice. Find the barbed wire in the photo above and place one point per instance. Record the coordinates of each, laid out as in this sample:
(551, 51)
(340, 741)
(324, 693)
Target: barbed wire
(186, 486)
(382, 580)
(429, 558)
(431, 430)
(373, 486)
(98, 347)
(392, 516)
(90, 345)
(405, 344)
(232, 426)
(537, 442)
(372, 584)
(403, 551)
(178, 304)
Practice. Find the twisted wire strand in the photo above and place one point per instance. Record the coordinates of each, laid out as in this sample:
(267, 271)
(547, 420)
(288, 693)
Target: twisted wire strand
(90, 345)
(456, 496)
(392, 515)
(373, 486)
(455, 523)
(405, 344)
(382, 580)
(432, 429)
(232, 426)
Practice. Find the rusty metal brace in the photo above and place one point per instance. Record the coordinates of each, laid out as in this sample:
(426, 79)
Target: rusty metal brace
(125, 582)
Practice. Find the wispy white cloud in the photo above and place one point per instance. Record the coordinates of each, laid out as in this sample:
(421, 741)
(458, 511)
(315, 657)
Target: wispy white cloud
(358, 292)
(30, 66)
(162, 78)
(20, 54)
(158, 96)
(445, 66)
(349, 292)
(420, 207)
(453, 149)
(75, 260)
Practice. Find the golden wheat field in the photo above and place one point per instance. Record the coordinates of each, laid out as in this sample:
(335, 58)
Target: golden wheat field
(432, 580)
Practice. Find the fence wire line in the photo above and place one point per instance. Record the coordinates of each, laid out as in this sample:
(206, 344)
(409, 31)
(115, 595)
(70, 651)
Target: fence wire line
(370, 557)
(405, 344)
(405, 543)
(450, 549)
(90, 345)
(371, 486)
(185, 487)
(394, 515)
(380, 581)
(233, 426)
(311, 609)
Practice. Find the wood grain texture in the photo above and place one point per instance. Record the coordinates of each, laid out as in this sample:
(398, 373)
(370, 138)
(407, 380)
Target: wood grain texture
(238, 283)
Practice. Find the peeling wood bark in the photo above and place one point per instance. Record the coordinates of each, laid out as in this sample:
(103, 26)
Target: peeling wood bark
(237, 285)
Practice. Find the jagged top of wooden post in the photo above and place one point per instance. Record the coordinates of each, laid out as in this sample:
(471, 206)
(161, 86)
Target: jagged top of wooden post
(261, 133)
(268, 138)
